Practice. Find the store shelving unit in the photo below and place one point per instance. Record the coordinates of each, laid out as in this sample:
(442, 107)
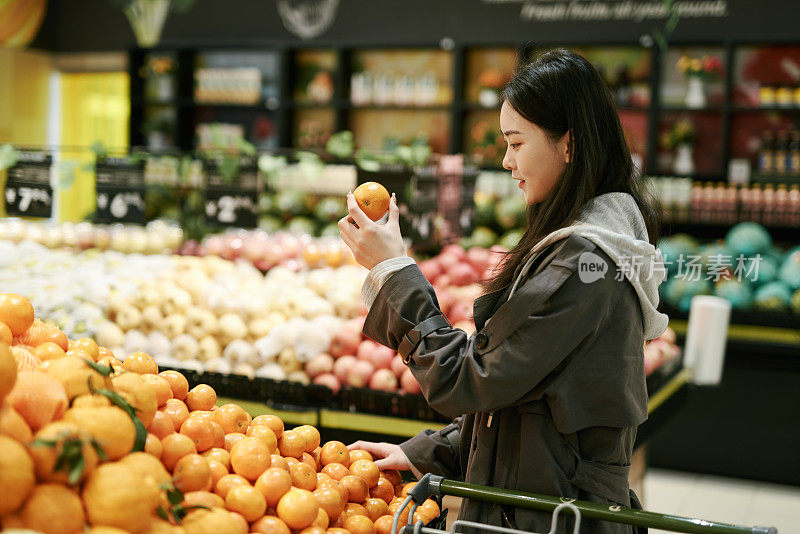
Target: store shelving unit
(313, 89)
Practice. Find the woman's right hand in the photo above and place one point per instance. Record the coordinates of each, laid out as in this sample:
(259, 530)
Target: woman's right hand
(387, 455)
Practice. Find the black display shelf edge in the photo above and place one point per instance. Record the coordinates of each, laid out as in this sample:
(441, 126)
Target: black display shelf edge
(787, 320)
(294, 396)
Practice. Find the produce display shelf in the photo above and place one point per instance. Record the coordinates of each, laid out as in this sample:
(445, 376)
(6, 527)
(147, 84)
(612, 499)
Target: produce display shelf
(360, 410)
(768, 335)
(673, 385)
(362, 422)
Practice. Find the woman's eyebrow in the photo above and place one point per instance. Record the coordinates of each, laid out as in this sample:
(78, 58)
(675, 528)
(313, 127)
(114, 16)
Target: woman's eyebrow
(510, 132)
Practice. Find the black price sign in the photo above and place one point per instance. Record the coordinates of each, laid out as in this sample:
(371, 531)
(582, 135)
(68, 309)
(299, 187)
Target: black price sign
(119, 183)
(232, 202)
(28, 191)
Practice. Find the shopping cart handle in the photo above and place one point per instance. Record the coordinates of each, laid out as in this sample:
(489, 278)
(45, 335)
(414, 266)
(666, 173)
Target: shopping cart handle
(589, 510)
(428, 485)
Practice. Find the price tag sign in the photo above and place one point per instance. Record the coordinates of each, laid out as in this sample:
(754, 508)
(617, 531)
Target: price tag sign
(119, 184)
(28, 191)
(232, 202)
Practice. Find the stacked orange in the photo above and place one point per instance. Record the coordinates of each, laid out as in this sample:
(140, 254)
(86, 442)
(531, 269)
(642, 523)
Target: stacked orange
(73, 419)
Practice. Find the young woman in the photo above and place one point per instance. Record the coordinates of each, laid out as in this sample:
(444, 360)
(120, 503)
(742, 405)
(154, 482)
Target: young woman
(549, 391)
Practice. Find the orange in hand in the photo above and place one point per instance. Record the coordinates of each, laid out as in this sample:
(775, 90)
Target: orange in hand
(373, 199)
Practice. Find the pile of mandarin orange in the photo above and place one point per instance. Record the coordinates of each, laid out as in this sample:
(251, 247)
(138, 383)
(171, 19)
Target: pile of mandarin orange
(67, 459)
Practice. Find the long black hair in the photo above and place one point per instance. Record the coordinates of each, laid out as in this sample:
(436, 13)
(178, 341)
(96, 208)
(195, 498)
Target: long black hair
(561, 92)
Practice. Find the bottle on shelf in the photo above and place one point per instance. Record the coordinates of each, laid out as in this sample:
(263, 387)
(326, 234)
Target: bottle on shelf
(623, 89)
(767, 206)
(781, 206)
(793, 206)
(766, 154)
(793, 158)
(781, 152)
(731, 204)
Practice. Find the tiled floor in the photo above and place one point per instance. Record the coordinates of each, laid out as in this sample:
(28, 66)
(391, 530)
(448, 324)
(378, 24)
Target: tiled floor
(727, 500)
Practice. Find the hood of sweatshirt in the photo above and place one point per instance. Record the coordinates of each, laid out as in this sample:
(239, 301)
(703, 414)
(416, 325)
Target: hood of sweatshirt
(614, 223)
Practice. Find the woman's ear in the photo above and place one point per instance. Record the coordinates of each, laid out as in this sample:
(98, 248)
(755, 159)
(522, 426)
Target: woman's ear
(564, 147)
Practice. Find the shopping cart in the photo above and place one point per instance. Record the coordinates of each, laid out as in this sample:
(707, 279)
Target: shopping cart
(431, 485)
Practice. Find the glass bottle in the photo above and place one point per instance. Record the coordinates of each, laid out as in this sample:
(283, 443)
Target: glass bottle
(793, 160)
(781, 152)
(766, 153)
(781, 205)
(793, 205)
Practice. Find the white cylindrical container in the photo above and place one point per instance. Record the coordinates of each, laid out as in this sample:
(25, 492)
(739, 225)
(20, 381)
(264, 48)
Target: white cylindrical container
(706, 338)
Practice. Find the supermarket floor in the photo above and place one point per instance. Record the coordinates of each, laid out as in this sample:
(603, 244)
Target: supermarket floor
(728, 500)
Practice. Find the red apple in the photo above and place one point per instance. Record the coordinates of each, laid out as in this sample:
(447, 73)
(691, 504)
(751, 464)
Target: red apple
(382, 357)
(462, 274)
(341, 367)
(446, 300)
(446, 261)
(365, 350)
(430, 269)
(319, 364)
(409, 383)
(383, 380)
(329, 380)
(455, 250)
(346, 340)
(443, 280)
(360, 373)
(478, 257)
(397, 366)
(460, 311)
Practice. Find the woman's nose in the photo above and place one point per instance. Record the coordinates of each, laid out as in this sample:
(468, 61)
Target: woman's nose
(507, 162)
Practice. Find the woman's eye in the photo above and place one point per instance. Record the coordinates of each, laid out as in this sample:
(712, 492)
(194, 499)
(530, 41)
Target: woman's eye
(515, 145)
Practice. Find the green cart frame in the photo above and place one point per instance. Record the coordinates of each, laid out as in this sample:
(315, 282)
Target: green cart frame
(431, 485)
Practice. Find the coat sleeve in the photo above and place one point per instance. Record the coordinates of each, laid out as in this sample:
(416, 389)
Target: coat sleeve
(526, 339)
(436, 452)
